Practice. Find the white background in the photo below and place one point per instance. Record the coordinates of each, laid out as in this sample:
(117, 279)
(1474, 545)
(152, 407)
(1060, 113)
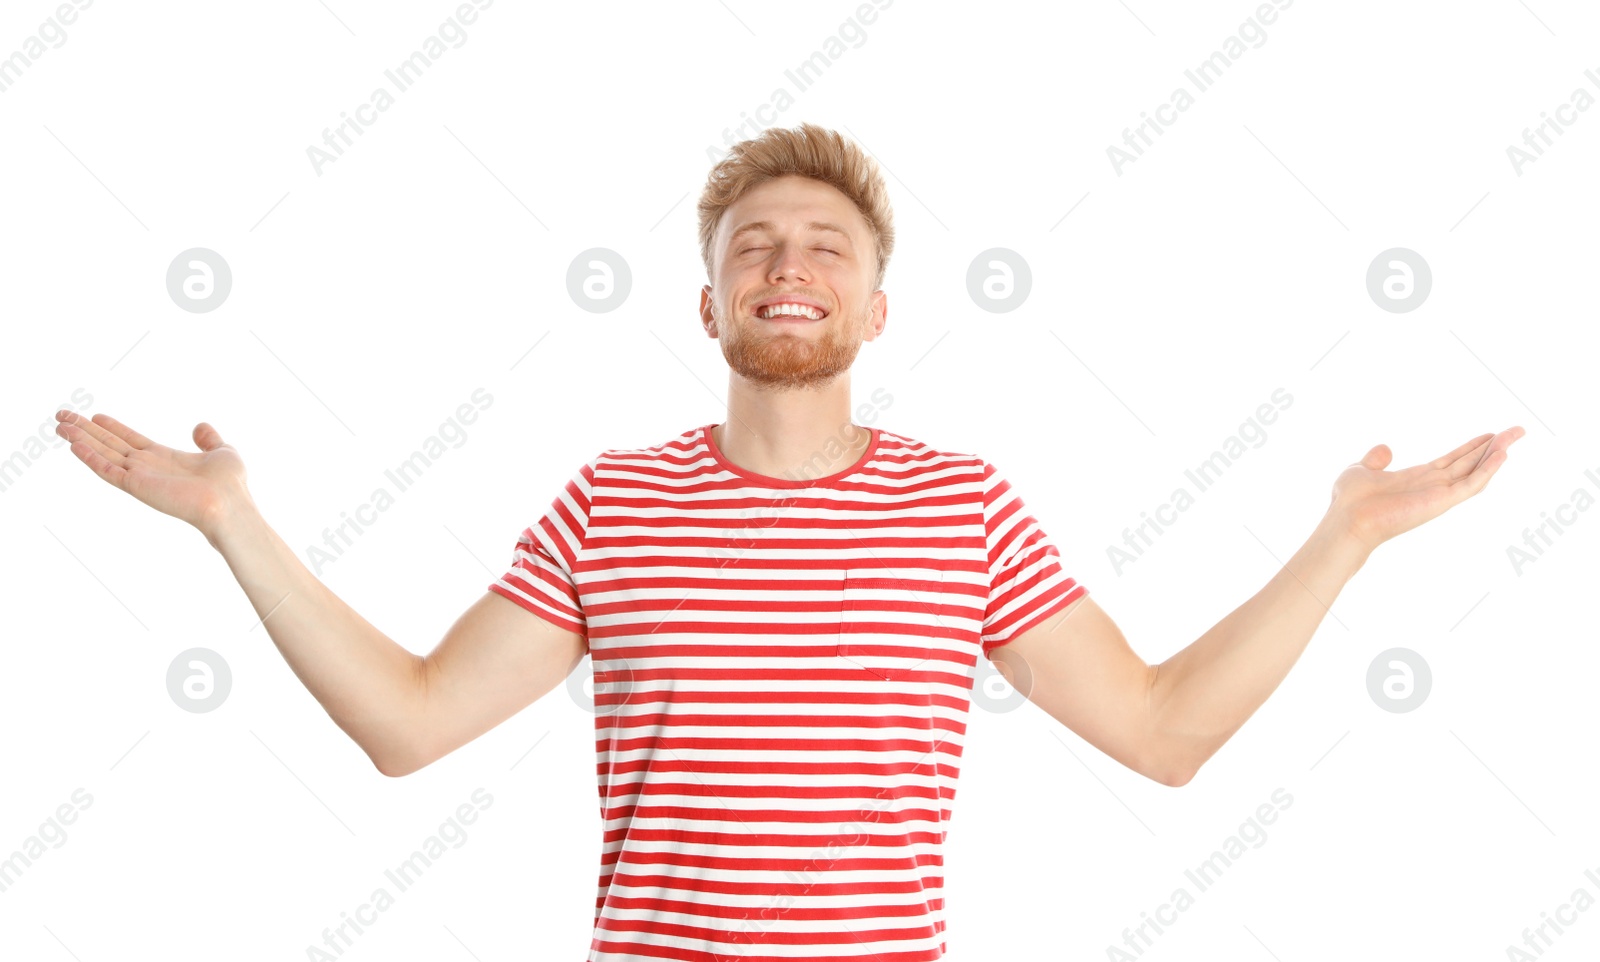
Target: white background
(371, 300)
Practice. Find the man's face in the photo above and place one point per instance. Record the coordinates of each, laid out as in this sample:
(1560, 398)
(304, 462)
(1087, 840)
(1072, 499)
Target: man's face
(797, 240)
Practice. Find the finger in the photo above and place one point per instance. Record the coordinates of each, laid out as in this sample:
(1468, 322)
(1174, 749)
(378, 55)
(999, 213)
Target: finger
(128, 435)
(207, 437)
(107, 438)
(1501, 442)
(94, 437)
(1451, 458)
(1474, 482)
(1494, 456)
(83, 447)
(1469, 462)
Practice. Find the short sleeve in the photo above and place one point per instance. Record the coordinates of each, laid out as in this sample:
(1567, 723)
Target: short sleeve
(1026, 582)
(540, 574)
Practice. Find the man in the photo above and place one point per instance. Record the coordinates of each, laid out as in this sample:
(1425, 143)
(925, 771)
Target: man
(784, 610)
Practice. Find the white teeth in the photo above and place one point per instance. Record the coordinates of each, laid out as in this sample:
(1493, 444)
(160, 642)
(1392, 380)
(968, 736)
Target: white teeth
(800, 310)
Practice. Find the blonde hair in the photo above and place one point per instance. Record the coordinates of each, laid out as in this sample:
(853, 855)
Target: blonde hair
(810, 151)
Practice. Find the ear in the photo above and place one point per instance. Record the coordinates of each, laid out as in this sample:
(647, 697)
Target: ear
(707, 321)
(880, 315)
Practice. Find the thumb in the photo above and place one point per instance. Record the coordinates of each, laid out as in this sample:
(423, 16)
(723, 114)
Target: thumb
(1377, 458)
(207, 437)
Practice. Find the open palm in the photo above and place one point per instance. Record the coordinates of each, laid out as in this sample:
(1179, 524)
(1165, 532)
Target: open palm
(1378, 504)
(194, 487)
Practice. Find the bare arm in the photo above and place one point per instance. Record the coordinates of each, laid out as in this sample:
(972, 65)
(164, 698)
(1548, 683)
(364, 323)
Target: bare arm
(1165, 721)
(496, 660)
(404, 710)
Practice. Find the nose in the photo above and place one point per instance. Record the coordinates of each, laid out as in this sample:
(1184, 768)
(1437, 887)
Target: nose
(790, 264)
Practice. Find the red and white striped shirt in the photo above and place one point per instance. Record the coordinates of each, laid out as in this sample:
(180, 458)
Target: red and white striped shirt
(782, 672)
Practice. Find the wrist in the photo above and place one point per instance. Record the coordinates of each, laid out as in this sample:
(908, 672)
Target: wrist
(1336, 538)
(229, 521)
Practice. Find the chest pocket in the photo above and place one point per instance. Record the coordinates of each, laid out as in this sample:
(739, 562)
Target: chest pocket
(889, 620)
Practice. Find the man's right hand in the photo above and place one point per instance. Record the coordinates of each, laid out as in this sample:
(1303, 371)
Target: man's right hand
(404, 710)
(201, 488)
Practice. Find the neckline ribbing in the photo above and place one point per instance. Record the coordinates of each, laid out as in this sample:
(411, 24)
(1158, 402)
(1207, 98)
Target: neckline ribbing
(771, 482)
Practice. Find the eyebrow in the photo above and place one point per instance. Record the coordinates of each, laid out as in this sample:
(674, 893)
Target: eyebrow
(761, 225)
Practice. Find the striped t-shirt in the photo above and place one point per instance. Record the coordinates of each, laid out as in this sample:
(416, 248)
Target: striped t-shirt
(782, 673)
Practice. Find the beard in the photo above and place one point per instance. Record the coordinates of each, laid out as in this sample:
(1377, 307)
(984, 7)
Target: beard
(783, 359)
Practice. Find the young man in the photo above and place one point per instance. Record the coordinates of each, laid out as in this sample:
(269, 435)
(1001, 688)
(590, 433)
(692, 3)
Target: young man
(784, 610)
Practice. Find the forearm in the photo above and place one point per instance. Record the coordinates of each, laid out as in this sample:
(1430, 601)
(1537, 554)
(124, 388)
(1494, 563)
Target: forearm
(368, 684)
(1204, 693)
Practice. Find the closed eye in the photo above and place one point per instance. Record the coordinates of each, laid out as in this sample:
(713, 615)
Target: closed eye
(824, 250)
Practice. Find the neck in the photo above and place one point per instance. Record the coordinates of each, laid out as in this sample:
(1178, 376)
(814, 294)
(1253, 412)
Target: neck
(796, 433)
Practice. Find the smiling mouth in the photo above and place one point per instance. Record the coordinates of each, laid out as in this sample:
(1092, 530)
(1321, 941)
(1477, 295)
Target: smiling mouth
(791, 313)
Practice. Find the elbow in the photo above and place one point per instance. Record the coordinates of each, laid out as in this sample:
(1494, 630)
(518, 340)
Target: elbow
(1166, 760)
(402, 749)
(1174, 777)
(1170, 770)
(392, 770)
(394, 766)
(389, 767)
